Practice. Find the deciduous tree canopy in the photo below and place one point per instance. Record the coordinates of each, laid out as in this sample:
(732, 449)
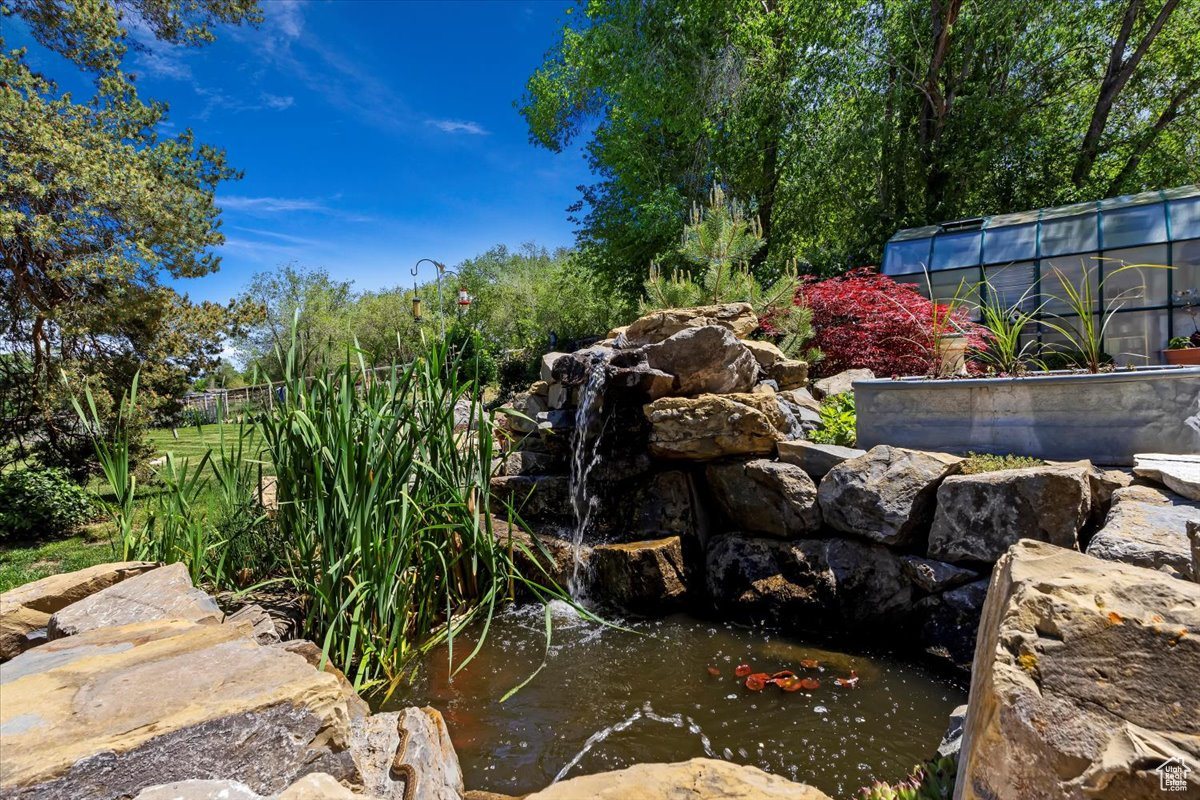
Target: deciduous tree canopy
(844, 120)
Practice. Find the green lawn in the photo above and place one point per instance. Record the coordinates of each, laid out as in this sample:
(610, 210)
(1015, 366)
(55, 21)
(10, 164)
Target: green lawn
(24, 563)
(192, 442)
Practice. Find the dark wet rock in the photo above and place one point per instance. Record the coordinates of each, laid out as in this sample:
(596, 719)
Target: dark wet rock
(886, 494)
(935, 576)
(980, 516)
(548, 552)
(534, 497)
(646, 576)
(160, 594)
(765, 496)
(1147, 527)
(705, 359)
(529, 462)
(659, 504)
(807, 584)
(950, 622)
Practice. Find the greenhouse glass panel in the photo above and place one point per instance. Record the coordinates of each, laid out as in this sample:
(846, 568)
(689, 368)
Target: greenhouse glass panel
(1072, 270)
(1129, 227)
(1136, 337)
(1185, 218)
(954, 283)
(953, 250)
(1185, 278)
(1012, 282)
(1069, 235)
(1186, 321)
(906, 257)
(1141, 286)
(1016, 243)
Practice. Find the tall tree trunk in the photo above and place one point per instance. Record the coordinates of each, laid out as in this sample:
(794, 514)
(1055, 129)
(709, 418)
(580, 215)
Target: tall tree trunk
(1120, 69)
(936, 91)
(1147, 139)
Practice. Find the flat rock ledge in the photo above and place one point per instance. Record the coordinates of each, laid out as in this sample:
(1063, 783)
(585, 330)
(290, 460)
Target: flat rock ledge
(698, 779)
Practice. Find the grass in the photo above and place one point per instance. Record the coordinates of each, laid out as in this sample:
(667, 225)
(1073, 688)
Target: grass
(191, 443)
(24, 562)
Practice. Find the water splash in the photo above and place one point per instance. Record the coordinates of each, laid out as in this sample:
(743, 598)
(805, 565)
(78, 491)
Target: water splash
(585, 455)
(645, 712)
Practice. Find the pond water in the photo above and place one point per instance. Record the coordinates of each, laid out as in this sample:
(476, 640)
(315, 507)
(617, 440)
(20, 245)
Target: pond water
(609, 698)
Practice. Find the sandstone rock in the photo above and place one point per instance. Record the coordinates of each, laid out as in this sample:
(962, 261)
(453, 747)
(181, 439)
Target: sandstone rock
(310, 652)
(25, 611)
(407, 755)
(698, 779)
(640, 576)
(935, 576)
(808, 584)
(314, 786)
(163, 593)
(738, 318)
(980, 516)
(546, 371)
(710, 426)
(540, 388)
(766, 496)
(788, 373)
(534, 497)
(886, 494)
(107, 712)
(802, 398)
(1147, 527)
(815, 459)
(256, 622)
(1084, 681)
(1104, 483)
(764, 353)
(558, 396)
(707, 359)
(529, 462)
(618, 332)
(1180, 474)
(527, 406)
(841, 383)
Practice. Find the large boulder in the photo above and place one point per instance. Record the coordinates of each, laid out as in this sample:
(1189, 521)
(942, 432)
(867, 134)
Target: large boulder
(640, 576)
(841, 383)
(25, 611)
(738, 318)
(711, 426)
(527, 407)
(886, 494)
(1147, 527)
(160, 594)
(980, 516)
(656, 505)
(815, 459)
(807, 584)
(1179, 473)
(1084, 681)
(105, 713)
(765, 496)
(407, 755)
(765, 353)
(530, 462)
(698, 779)
(314, 786)
(708, 359)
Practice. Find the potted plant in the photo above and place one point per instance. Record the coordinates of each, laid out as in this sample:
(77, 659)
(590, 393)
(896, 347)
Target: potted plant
(1184, 350)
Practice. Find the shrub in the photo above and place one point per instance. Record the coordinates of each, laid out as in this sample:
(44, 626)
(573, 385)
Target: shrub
(867, 320)
(933, 780)
(42, 503)
(977, 463)
(838, 421)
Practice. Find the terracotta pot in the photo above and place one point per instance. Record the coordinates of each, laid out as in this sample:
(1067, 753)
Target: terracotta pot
(1184, 355)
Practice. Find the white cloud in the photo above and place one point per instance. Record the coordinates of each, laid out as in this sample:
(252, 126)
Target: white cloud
(162, 64)
(277, 102)
(457, 126)
(269, 205)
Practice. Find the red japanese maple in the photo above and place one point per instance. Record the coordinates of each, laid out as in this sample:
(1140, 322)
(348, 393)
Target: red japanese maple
(867, 320)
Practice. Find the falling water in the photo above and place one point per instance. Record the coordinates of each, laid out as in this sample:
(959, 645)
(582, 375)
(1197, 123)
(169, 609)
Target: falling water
(585, 454)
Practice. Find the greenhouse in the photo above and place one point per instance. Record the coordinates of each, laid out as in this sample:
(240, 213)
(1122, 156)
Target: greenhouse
(1025, 257)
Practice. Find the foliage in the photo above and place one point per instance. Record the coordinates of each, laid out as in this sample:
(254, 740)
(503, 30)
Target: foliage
(1184, 342)
(845, 120)
(839, 421)
(977, 463)
(718, 243)
(473, 357)
(933, 780)
(1007, 348)
(867, 320)
(42, 504)
(97, 211)
(1087, 321)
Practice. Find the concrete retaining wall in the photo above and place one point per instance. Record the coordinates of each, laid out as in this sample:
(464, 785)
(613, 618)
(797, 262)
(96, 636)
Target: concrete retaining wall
(1106, 418)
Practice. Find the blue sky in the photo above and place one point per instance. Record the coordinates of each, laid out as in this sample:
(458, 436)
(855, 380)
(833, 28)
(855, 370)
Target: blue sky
(371, 134)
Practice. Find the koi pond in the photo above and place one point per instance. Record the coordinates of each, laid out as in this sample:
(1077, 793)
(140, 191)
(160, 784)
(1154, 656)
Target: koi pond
(670, 690)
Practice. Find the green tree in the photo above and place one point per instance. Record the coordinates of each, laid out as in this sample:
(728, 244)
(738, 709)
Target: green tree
(95, 207)
(843, 120)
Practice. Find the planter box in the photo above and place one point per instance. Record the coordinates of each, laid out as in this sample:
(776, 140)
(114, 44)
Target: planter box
(1062, 417)
(1186, 355)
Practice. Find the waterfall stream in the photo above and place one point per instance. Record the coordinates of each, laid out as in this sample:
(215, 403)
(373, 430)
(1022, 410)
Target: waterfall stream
(585, 455)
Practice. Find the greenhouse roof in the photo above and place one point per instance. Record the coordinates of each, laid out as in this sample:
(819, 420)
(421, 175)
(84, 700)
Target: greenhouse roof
(1113, 223)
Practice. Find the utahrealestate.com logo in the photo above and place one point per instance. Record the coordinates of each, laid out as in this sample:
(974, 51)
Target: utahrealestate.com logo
(1172, 775)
